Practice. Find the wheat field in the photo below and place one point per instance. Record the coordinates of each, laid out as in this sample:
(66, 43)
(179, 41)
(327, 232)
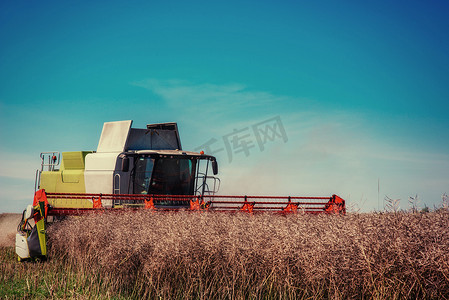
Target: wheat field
(207, 255)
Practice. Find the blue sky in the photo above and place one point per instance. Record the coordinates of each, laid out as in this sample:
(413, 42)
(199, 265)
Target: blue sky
(360, 88)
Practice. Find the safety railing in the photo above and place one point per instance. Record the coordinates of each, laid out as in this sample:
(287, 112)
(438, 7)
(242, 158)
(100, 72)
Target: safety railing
(49, 162)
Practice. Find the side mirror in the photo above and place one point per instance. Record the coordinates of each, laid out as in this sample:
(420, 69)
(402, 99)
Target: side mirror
(125, 164)
(29, 212)
(215, 167)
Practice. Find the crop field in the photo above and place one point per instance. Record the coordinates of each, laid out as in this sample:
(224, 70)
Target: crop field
(237, 256)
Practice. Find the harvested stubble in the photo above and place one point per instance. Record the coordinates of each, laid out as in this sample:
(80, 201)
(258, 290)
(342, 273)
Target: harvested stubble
(218, 255)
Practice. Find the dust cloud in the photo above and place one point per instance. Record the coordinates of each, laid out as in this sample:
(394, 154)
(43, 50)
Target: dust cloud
(8, 228)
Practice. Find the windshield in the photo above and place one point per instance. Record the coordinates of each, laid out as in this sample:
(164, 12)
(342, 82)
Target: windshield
(142, 175)
(164, 176)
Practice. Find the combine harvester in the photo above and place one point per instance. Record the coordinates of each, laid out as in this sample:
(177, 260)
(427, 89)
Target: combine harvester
(138, 169)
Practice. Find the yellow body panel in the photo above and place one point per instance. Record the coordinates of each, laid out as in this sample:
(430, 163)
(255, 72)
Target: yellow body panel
(42, 236)
(69, 179)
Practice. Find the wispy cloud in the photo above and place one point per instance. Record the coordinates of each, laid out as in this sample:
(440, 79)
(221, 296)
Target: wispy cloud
(209, 97)
(221, 107)
(328, 151)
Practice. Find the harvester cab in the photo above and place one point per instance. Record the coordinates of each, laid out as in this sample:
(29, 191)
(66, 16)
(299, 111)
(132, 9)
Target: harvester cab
(129, 161)
(169, 172)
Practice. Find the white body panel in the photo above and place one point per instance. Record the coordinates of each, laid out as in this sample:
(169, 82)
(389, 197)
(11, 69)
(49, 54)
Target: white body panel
(29, 212)
(99, 174)
(22, 246)
(114, 136)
